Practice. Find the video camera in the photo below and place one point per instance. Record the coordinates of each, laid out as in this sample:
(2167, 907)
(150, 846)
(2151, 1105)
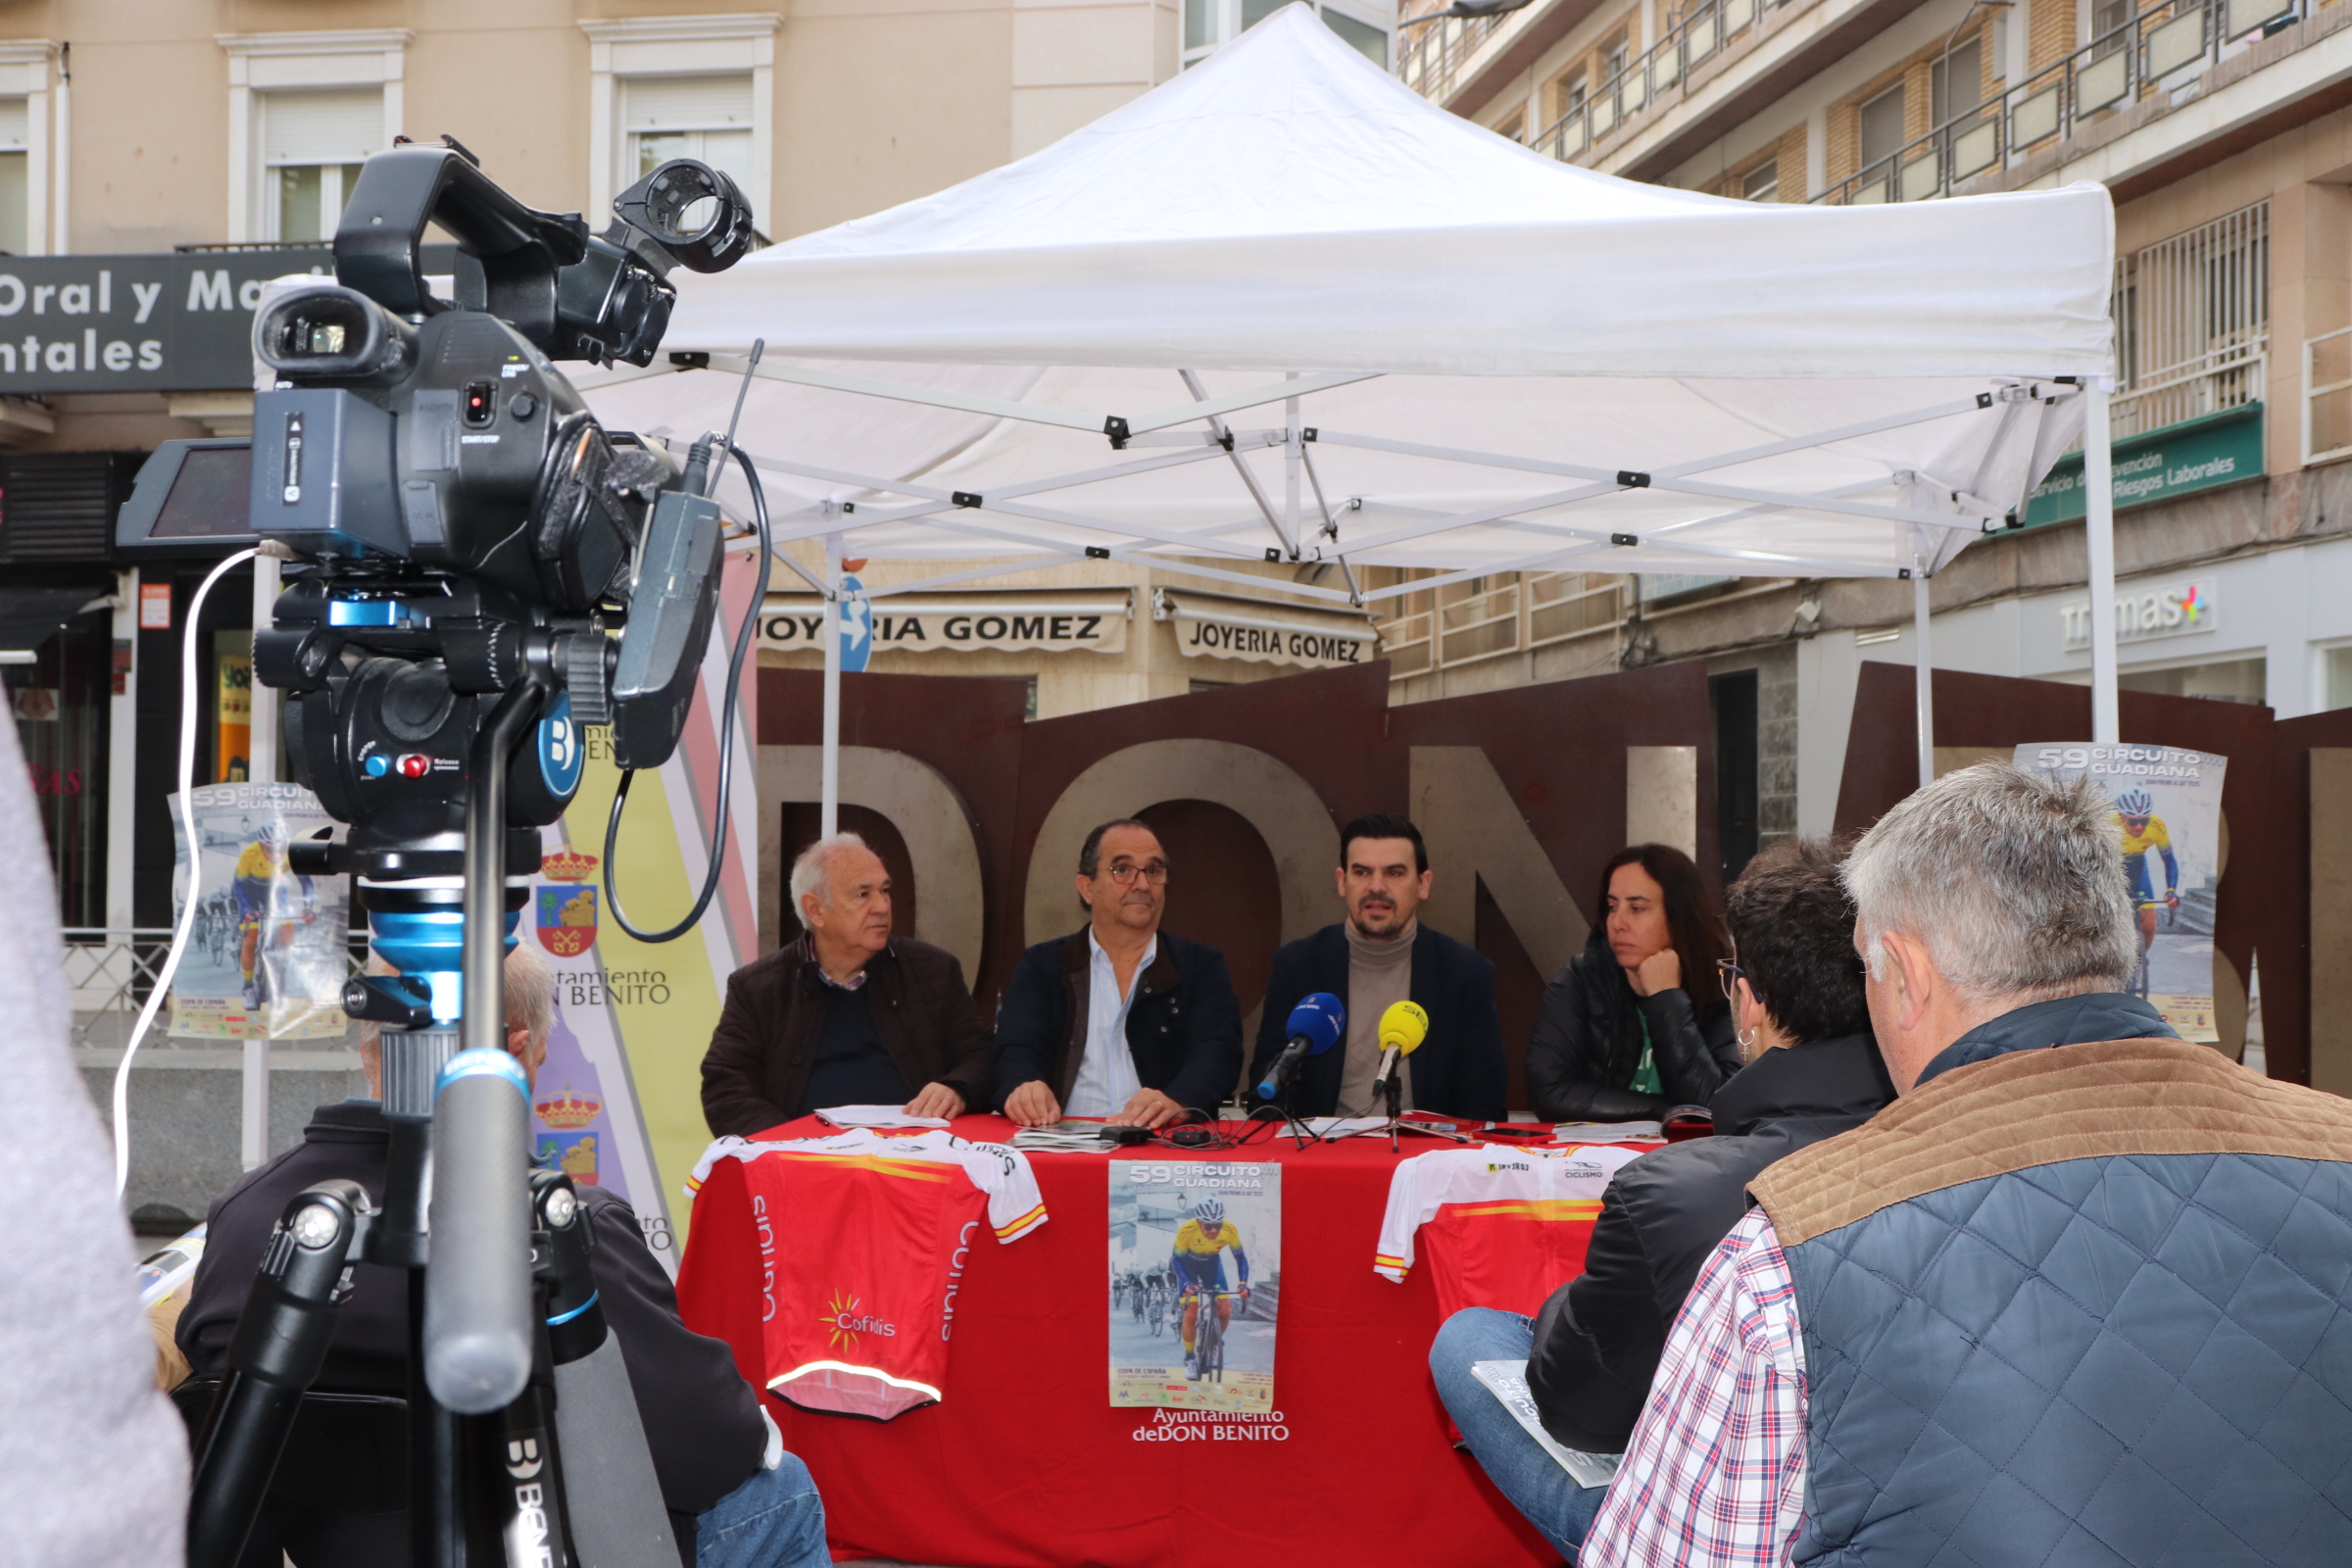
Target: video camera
(474, 559)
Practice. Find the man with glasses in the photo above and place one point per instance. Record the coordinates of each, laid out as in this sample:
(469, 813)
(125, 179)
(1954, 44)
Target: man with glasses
(1121, 1020)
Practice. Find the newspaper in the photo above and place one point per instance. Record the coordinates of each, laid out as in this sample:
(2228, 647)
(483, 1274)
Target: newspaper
(1508, 1382)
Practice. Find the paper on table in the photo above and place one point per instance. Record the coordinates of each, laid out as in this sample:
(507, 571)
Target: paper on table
(1342, 1126)
(1508, 1382)
(875, 1116)
(1607, 1132)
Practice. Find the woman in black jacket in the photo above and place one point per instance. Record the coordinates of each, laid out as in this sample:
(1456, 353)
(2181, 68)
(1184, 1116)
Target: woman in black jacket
(1637, 1023)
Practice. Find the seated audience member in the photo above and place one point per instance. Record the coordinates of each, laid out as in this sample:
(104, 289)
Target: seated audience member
(2070, 1300)
(1120, 1019)
(1634, 1024)
(735, 1498)
(1813, 1072)
(1380, 954)
(846, 1014)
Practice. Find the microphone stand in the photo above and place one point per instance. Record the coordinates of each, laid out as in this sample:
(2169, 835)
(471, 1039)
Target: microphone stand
(1393, 1090)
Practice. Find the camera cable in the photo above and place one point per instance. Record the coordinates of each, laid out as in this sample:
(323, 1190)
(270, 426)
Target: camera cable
(727, 732)
(187, 908)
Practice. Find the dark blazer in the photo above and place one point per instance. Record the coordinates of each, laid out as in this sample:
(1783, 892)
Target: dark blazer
(1586, 1044)
(1458, 1072)
(1599, 1337)
(701, 1420)
(1184, 1027)
(761, 1052)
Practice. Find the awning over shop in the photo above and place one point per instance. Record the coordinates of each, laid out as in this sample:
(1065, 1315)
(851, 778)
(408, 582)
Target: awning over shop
(963, 623)
(30, 617)
(1262, 632)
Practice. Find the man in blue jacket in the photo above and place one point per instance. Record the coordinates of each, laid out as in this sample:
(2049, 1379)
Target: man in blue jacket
(1382, 954)
(1119, 1020)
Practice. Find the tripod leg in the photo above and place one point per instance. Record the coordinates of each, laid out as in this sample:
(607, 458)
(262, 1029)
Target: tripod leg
(280, 1341)
(436, 1455)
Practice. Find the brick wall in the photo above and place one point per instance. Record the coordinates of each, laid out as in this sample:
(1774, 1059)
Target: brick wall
(2050, 31)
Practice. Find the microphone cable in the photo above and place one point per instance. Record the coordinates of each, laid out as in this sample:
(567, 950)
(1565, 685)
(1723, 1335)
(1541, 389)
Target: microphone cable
(187, 908)
(728, 709)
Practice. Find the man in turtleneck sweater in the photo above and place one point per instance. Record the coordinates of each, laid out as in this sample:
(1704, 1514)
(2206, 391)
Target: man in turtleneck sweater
(1382, 954)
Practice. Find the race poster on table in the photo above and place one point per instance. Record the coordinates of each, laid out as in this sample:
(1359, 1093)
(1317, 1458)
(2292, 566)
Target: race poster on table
(2168, 808)
(1195, 1275)
(585, 1117)
(270, 948)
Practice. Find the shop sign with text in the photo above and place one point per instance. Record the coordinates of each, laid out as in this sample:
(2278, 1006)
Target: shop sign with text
(961, 625)
(2201, 454)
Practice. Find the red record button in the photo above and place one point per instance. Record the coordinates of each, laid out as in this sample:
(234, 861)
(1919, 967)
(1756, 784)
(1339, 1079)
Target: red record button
(414, 765)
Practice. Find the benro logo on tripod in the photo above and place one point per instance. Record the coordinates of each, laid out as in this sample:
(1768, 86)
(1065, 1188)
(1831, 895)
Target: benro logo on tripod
(522, 1458)
(844, 1322)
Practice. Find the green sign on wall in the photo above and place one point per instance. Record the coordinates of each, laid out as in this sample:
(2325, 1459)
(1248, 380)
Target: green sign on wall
(2201, 454)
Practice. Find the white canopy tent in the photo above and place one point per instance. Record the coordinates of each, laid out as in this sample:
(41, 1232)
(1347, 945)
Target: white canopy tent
(1281, 308)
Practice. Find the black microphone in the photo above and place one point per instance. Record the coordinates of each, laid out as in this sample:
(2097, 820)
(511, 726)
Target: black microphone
(1315, 1026)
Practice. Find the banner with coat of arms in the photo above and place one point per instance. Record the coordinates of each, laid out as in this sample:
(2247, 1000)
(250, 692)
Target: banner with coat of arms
(585, 1119)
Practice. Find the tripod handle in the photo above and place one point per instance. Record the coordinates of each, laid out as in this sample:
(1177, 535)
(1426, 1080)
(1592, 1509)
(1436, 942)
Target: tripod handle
(477, 1277)
(280, 1343)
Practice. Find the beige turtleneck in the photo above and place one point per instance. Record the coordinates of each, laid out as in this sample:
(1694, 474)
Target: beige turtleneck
(1379, 973)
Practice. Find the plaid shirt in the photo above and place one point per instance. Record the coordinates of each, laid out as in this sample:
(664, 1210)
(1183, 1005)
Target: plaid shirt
(1715, 1473)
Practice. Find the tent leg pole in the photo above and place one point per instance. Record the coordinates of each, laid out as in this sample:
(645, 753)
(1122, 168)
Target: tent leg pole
(1924, 672)
(828, 797)
(2098, 531)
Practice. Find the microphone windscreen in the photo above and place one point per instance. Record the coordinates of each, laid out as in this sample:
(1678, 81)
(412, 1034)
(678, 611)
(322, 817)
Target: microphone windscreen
(1404, 1026)
(1321, 1018)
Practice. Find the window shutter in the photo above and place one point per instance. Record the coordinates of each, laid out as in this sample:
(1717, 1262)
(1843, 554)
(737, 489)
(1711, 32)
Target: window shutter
(321, 127)
(688, 103)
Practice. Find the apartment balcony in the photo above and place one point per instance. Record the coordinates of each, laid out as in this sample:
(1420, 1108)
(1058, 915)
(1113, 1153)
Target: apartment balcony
(2181, 75)
(1517, 617)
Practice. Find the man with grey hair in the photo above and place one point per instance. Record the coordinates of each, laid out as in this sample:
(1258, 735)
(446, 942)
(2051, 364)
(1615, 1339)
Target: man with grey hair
(846, 1014)
(735, 1498)
(2078, 1297)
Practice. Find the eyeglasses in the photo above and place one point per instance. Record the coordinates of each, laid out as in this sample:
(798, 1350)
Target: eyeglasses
(1728, 976)
(1154, 872)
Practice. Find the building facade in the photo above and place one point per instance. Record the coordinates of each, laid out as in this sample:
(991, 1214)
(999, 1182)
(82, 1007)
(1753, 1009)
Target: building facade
(2222, 130)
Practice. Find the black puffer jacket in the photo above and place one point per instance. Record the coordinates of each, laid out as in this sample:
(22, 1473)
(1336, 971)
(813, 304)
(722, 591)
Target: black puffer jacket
(1586, 1044)
(1599, 1337)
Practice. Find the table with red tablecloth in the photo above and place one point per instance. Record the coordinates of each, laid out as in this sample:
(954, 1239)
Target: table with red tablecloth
(1024, 1463)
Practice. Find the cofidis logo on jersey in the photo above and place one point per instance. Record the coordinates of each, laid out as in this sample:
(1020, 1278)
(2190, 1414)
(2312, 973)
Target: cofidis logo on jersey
(844, 1322)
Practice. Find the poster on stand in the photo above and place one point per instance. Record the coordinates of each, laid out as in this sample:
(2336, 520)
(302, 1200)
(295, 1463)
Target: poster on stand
(585, 1117)
(1195, 1276)
(2168, 808)
(270, 948)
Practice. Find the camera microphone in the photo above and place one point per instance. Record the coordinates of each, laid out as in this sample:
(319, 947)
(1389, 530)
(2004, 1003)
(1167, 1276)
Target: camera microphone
(1315, 1026)
(477, 1288)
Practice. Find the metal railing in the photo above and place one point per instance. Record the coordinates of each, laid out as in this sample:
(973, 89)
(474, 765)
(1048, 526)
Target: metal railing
(1516, 616)
(111, 970)
(2328, 396)
(2165, 48)
(1430, 56)
(2230, 379)
(1701, 32)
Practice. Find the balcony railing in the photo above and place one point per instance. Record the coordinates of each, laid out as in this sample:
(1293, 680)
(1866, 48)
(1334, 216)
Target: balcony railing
(1700, 34)
(1430, 56)
(2229, 380)
(2165, 48)
(1535, 611)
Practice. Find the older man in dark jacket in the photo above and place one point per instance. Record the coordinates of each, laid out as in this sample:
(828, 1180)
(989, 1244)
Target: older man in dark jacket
(1121, 1020)
(845, 1014)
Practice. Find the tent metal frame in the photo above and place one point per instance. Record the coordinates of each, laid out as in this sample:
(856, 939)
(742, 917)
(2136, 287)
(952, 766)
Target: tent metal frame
(1931, 532)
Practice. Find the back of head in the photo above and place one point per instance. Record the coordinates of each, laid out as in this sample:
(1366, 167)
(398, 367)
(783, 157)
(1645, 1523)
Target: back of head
(1793, 926)
(530, 989)
(2013, 882)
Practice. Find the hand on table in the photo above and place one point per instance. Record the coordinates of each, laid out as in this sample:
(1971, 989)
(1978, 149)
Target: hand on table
(1149, 1108)
(1033, 1105)
(1662, 970)
(936, 1100)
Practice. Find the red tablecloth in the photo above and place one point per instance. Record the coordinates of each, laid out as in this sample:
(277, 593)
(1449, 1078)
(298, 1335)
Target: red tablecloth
(1025, 1464)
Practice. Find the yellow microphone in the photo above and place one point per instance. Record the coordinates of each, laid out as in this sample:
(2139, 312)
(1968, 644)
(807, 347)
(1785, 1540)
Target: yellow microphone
(1403, 1028)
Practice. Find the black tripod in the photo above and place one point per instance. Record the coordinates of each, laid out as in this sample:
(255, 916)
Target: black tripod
(488, 1485)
